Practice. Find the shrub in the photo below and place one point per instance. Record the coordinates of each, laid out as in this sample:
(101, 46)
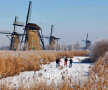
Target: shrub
(99, 49)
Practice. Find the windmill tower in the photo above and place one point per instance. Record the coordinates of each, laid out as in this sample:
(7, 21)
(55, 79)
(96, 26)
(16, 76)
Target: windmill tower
(87, 42)
(14, 40)
(52, 39)
(31, 37)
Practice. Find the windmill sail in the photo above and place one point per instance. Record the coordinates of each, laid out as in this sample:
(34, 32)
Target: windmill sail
(5, 32)
(15, 42)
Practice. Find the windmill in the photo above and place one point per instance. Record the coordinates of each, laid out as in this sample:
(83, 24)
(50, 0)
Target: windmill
(52, 39)
(87, 42)
(32, 38)
(14, 40)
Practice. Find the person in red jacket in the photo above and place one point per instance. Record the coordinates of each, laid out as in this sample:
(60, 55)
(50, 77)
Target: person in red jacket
(65, 61)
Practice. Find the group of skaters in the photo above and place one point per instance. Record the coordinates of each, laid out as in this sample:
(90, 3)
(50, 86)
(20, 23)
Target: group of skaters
(65, 62)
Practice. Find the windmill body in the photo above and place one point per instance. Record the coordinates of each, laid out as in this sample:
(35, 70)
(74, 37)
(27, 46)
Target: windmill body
(15, 41)
(87, 42)
(33, 41)
(52, 42)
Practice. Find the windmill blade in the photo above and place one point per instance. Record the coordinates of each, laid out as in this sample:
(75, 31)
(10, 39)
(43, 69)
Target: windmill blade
(8, 37)
(52, 26)
(87, 37)
(41, 33)
(24, 34)
(28, 13)
(58, 41)
(86, 42)
(46, 37)
(17, 23)
(56, 38)
(25, 37)
(21, 24)
(41, 39)
(5, 32)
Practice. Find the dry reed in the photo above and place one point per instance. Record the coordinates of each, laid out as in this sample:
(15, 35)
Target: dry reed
(14, 62)
(98, 79)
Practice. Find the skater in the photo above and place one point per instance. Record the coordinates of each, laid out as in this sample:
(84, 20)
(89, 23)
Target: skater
(58, 62)
(65, 61)
(70, 64)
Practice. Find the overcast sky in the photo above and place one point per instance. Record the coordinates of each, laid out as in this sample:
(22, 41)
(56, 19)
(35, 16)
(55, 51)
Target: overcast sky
(72, 19)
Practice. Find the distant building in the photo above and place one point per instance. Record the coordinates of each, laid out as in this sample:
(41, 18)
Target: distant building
(88, 44)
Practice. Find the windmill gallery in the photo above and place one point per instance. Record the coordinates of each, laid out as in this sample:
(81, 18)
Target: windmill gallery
(31, 38)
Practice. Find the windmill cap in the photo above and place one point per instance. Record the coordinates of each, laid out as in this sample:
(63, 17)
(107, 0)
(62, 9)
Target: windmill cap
(33, 26)
(88, 41)
(54, 37)
(15, 33)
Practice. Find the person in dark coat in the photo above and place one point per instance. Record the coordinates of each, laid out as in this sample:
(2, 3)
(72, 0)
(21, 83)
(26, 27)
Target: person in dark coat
(58, 62)
(70, 63)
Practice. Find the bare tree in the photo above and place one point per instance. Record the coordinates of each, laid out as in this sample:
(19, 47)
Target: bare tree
(76, 45)
(99, 49)
(69, 47)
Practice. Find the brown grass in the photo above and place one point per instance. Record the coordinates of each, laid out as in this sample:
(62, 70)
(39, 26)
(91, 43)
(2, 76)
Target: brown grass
(13, 62)
(98, 80)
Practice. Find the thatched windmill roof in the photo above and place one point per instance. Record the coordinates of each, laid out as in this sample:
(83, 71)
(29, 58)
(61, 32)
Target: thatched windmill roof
(32, 26)
(15, 33)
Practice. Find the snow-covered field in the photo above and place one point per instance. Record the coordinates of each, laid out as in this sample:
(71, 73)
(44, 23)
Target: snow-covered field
(49, 73)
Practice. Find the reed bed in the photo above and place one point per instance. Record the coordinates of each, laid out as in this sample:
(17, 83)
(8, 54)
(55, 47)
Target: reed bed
(99, 73)
(14, 62)
(98, 80)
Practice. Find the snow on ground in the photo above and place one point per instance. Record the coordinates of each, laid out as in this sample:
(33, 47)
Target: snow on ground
(49, 73)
